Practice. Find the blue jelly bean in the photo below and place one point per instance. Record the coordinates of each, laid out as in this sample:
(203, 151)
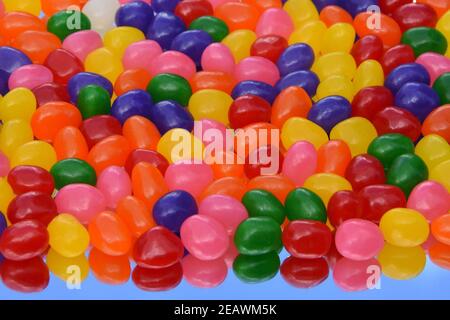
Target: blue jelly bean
(167, 115)
(4, 77)
(329, 111)
(84, 79)
(417, 98)
(296, 57)
(357, 6)
(192, 43)
(11, 59)
(307, 80)
(406, 73)
(136, 14)
(164, 5)
(132, 103)
(165, 27)
(255, 88)
(172, 209)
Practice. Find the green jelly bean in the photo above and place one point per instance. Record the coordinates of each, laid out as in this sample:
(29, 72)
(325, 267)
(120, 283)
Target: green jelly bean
(254, 269)
(442, 87)
(262, 203)
(388, 147)
(72, 170)
(215, 27)
(93, 100)
(303, 204)
(168, 86)
(66, 22)
(424, 39)
(258, 235)
(407, 171)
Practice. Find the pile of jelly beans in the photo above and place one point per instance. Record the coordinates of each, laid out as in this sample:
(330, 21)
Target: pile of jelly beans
(94, 94)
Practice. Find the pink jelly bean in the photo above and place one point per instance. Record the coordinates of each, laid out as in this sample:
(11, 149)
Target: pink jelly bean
(224, 209)
(115, 184)
(359, 239)
(429, 198)
(140, 55)
(82, 43)
(204, 237)
(218, 57)
(352, 275)
(80, 200)
(257, 69)
(231, 254)
(173, 62)
(207, 130)
(300, 162)
(275, 21)
(4, 165)
(188, 176)
(204, 274)
(30, 76)
(436, 64)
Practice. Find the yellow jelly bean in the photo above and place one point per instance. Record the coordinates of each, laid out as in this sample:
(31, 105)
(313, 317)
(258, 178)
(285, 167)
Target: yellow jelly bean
(340, 37)
(29, 6)
(179, 144)
(335, 64)
(240, 42)
(67, 236)
(296, 129)
(73, 270)
(357, 132)
(441, 174)
(326, 184)
(210, 104)
(443, 25)
(19, 103)
(335, 86)
(404, 227)
(6, 194)
(34, 153)
(433, 149)
(369, 74)
(118, 39)
(311, 33)
(301, 11)
(104, 62)
(14, 134)
(402, 263)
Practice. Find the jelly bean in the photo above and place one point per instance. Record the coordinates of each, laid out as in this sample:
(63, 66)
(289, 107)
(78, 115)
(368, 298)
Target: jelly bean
(404, 227)
(335, 86)
(93, 100)
(335, 63)
(425, 39)
(132, 79)
(164, 5)
(112, 150)
(141, 133)
(212, 80)
(343, 205)
(234, 168)
(30, 76)
(218, 57)
(386, 28)
(278, 185)
(51, 7)
(260, 89)
(433, 149)
(50, 92)
(250, 232)
(190, 177)
(6, 195)
(82, 43)
(326, 184)
(257, 69)
(83, 79)
(4, 165)
(365, 170)
(305, 79)
(97, 128)
(333, 157)
(239, 42)
(136, 14)
(439, 255)
(388, 147)
(376, 200)
(206, 124)
(101, 13)
(263, 161)
(24, 240)
(255, 269)
(105, 63)
(307, 239)
(157, 279)
(275, 21)
(352, 275)
(301, 11)
(28, 6)
(19, 103)
(211, 104)
(270, 47)
(248, 109)
(436, 122)
(368, 101)
(115, 184)
(338, 38)
(14, 23)
(192, 43)
(170, 87)
(430, 199)
(437, 65)
(139, 55)
(134, 213)
(406, 73)
(304, 273)
(303, 204)
(63, 267)
(440, 6)
(170, 143)
(148, 183)
(25, 276)
(406, 172)
(37, 45)
(35, 153)
(11, 59)
(165, 27)
(300, 155)
(440, 230)
(330, 111)
(60, 23)
(414, 15)
(369, 74)
(402, 263)
(204, 274)
(173, 62)
(332, 14)
(261, 203)
(190, 10)
(33, 205)
(442, 25)
(396, 56)
(441, 86)
(397, 120)
(310, 33)
(296, 129)
(389, 6)
(109, 269)
(30, 178)
(63, 65)
(237, 15)
(296, 57)
(214, 26)
(291, 102)
(369, 47)
(149, 156)
(230, 186)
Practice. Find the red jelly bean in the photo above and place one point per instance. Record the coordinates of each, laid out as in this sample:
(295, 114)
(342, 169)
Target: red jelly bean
(368, 47)
(32, 205)
(150, 156)
(263, 161)
(413, 15)
(368, 101)
(158, 279)
(365, 170)
(24, 240)
(51, 92)
(389, 6)
(98, 128)
(189, 10)
(269, 47)
(304, 273)
(397, 120)
(30, 178)
(25, 276)
(64, 65)
(307, 239)
(343, 205)
(397, 56)
(247, 110)
(158, 248)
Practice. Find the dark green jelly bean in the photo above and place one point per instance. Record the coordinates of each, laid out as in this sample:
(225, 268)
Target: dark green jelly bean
(258, 235)
(424, 39)
(406, 172)
(254, 269)
(215, 27)
(262, 203)
(388, 147)
(66, 22)
(303, 204)
(168, 86)
(72, 170)
(442, 87)
(93, 100)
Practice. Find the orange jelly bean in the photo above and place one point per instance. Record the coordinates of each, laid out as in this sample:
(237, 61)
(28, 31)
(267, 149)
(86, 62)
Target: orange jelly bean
(37, 45)
(212, 80)
(132, 79)
(109, 269)
(228, 186)
(111, 151)
(263, 5)
(333, 157)
(50, 7)
(15, 23)
(438, 122)
(278, 185)
(222, 168)
(238, 15)
(148, 183)
(69, 142)
(440, 228)
(135, 214)
(388, 29)
(333, 14)
(440, 255)
(264, 132)
(440, 6)
(291, 102)
(141, 133)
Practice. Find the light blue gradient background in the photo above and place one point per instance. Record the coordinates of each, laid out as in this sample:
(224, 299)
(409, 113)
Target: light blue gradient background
(432, 284)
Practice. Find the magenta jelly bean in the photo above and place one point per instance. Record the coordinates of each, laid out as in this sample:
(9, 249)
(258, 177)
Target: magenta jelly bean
(115, 184)
(190, 177)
